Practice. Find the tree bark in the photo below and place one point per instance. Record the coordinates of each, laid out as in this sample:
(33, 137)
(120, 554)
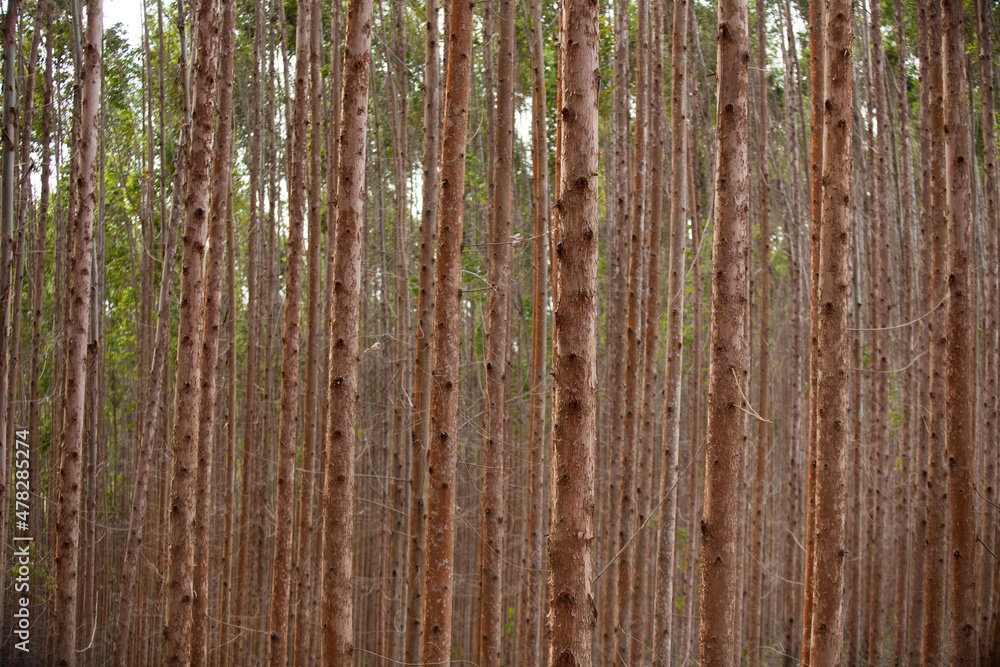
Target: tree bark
(420, 421)
(532, 587)
(633, 369)
(991, 345)
(937, 494)
(642, 582)
(879, 305)
(443, 445)
(497, 343)
(572, 614)
(298, 187)
(342, 396)
(729, 357)
(960, 355)
(209, 358)
(663, 605)
(180, 561)
(832, 344)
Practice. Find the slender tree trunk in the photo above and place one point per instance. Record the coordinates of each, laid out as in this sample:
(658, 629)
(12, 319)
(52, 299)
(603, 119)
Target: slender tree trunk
(991, 345)
(304, 567)
(816, 119)
(960, 356)
(494, 447)
(730, 352)
(937, 500)
(420, 421)
(879, 303)
(298, 187)
(7, 249)
(611, 468)
(401, 228)
(633, 369)
(342, 401)
(208, 361)
(919, 478)
(765, 428)
(443, 446)
(180, 562)
(647, 416)
(532, 587)
(663, 605)
(78, 296)
(832, 344)
(572, 614)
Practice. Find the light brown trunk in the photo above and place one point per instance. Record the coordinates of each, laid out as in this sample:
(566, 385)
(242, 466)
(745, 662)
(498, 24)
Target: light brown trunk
(180, 560)
(611, 467)
(342, 396)
(816, 120)
(935, 567)
(832, 344)
(298, 187)
(960, 343)
(642, 581)
(530, 647)
(765, 427)
(443, 446)
(420, 420)
(729, 357)
(210, 343)
(991, 344)
(572, 614)
(494, 447)
(79, 276)
(633, 370)
(663, 604)
(879, 305)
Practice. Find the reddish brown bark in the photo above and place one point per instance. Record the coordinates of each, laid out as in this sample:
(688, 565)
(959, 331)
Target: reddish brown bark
(342, 396)
(720, 620)
(443, 450)
(961, 339)
(494, 447)
(67, 527)
(832, 344)
(572, 614)
(420, 421)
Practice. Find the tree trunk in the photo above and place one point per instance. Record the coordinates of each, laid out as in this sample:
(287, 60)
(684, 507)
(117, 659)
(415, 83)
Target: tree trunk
(765, 427)
(420, 421)
(937, 498)
(298, 187)
(443, 446)
(497, 343)
(816, 119)
(832, 344)
(208, 361)
(663, 605)
(879, 305)
(991, 344)
(342, 401)
(532, 587)
(180, 562)
(647, 417)
(960, 356)
(729, 357)
(572, 614)
(618, 280)
(633, 369)
(79, 278)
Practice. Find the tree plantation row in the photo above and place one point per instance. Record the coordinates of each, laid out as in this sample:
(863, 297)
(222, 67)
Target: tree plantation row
(424, 332)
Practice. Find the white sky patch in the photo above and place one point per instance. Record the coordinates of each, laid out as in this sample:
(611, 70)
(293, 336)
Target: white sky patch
(129, 14)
